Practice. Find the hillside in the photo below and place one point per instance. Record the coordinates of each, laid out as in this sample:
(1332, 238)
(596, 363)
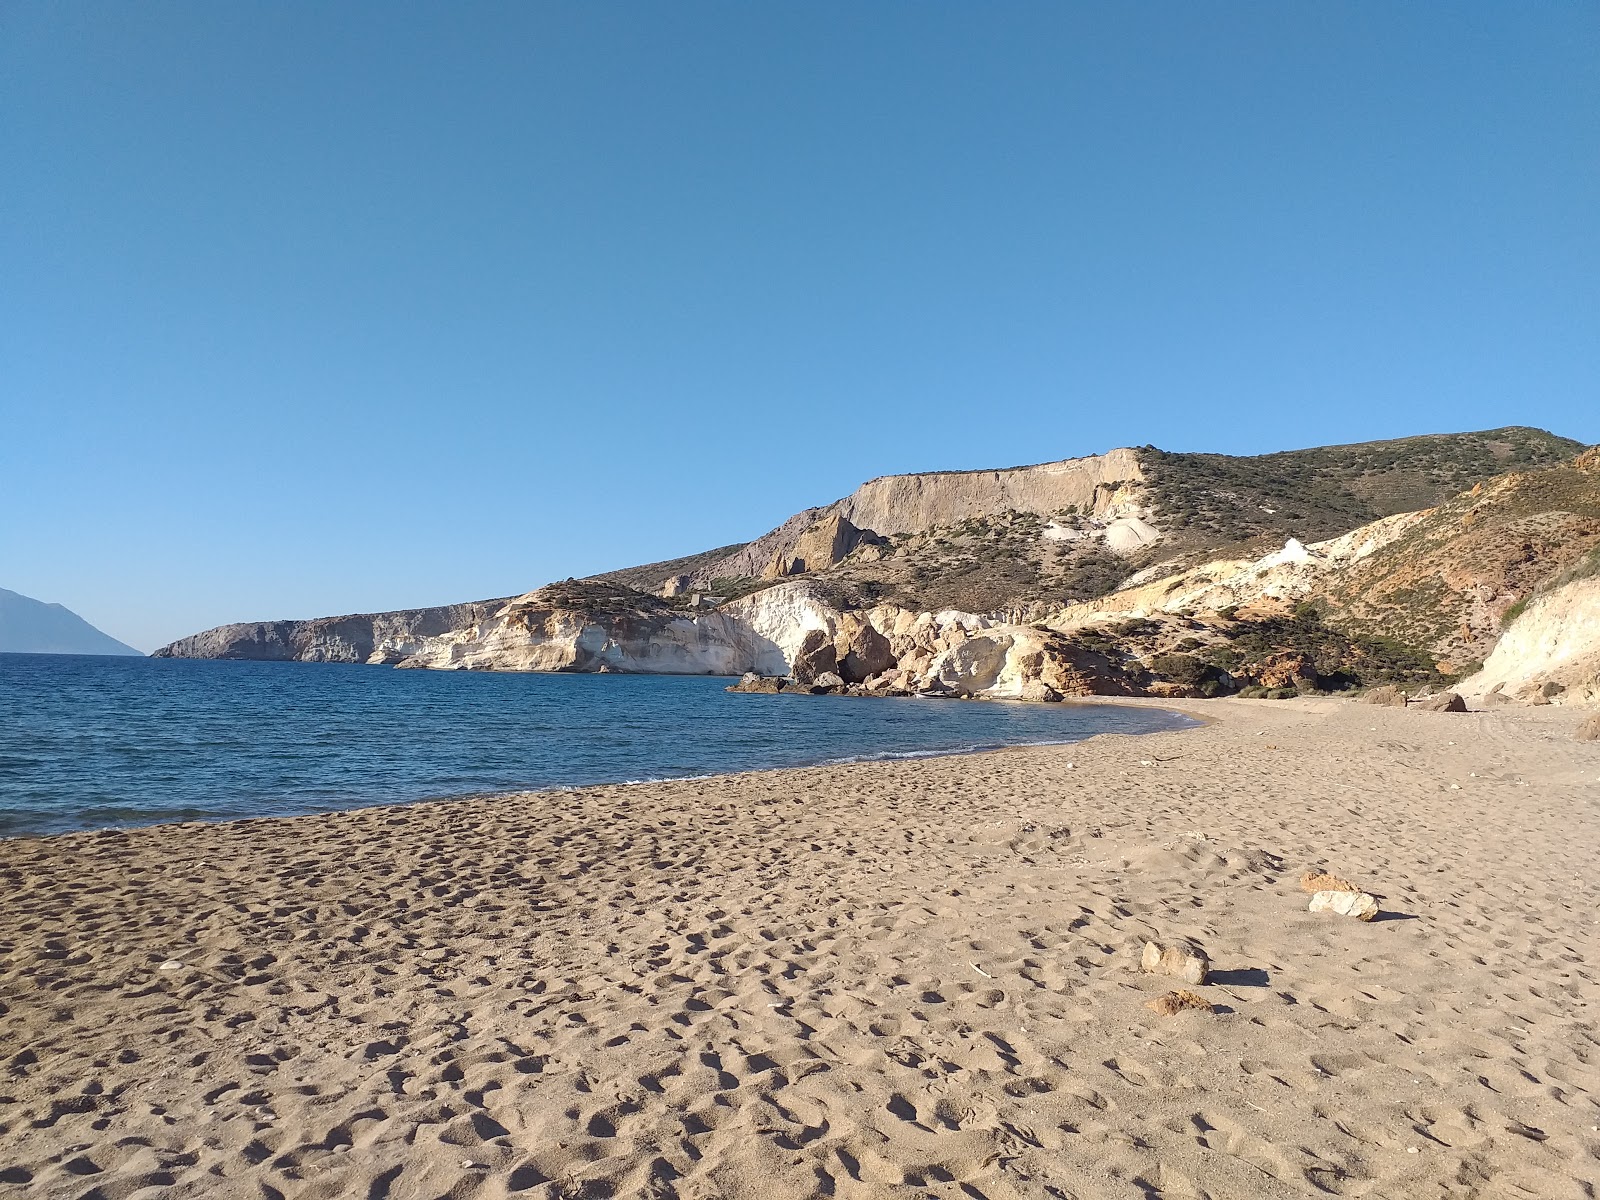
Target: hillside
(1139, 569)
(29, 626)
(1210, 501)
(1449, 582)
(1030, 539)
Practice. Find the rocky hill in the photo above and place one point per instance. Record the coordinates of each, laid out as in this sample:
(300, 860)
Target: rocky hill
(1136, 570)
(1028, 539)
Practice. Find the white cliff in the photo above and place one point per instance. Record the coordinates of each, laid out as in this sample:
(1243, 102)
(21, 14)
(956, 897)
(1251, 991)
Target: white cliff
(1554, 641)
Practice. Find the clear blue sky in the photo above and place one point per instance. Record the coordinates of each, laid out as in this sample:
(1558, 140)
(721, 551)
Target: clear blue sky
(320, 308)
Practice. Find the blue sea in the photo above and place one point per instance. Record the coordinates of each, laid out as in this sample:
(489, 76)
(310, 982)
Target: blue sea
(91, 742)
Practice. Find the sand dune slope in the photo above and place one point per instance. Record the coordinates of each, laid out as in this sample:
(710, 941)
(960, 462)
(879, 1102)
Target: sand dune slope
(910, 979)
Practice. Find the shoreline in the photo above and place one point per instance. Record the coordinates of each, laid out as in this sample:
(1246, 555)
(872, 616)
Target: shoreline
(877, 979)
(449, 798)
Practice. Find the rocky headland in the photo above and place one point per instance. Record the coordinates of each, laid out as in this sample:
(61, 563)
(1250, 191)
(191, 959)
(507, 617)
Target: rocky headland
(1136, 572)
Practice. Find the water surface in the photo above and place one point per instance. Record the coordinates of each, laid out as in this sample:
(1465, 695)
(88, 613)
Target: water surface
(88, 742)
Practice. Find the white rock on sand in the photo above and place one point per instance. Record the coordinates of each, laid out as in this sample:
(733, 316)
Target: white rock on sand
(1360, 905)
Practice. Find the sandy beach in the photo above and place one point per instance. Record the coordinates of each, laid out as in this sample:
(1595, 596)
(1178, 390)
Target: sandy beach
(900, 979)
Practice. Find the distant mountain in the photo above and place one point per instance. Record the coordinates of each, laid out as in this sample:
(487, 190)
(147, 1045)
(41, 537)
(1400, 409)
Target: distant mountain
(29, 626)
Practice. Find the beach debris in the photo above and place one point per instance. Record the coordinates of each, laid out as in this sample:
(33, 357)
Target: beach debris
(1175, 1002)
(171, 964)
(1360, 905)
(1589, 731)
(1443, 702)
(1322, 881)
(980, 970)
(1181, 958)
(1387, 695)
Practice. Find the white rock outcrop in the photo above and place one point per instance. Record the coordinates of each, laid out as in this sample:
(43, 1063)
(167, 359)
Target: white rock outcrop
(1556, 640)
(1288, 573)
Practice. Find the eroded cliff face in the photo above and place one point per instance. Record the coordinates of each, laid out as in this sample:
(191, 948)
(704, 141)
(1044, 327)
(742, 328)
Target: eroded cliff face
(359, 638)
(1103, 485)
(884, 651)
(1555, 641)
(606, 629)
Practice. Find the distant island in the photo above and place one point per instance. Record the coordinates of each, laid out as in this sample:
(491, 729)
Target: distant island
(29, 626)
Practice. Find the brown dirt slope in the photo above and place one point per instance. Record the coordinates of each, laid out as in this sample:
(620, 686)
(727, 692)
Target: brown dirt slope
(1449, 582)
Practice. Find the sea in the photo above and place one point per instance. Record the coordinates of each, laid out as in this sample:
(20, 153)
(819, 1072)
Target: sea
(90, 742)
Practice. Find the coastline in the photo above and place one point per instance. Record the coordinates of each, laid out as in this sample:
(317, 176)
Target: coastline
(858, 979)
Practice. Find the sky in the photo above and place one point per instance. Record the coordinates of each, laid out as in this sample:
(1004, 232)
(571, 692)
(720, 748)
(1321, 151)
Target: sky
(309, 309)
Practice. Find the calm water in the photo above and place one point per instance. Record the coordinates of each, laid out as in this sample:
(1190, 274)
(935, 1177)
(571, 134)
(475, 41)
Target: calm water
(87, 742)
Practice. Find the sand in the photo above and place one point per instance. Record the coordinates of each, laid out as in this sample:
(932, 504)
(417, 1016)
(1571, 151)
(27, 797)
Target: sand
(902, 979)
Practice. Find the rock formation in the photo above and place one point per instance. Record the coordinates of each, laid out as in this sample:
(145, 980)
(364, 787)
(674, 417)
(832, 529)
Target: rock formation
(386, 637)
(1555, 640)
(1360, 905)
(1182, 958)
(820, 546)
(1062, 559)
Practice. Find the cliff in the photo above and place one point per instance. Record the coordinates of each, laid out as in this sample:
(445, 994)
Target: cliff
(1550, 650)
(384, 637)
(911, 504)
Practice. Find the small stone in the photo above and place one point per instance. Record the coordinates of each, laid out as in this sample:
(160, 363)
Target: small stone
(1175, 1002)
(1347, 904)
(1182, 958)
(171, 964)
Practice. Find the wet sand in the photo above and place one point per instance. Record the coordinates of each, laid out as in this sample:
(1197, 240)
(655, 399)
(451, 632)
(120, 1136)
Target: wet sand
(891, 979)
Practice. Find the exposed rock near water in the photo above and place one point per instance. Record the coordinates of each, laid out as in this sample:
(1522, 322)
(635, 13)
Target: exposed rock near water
(386, 637)
(1061, 587)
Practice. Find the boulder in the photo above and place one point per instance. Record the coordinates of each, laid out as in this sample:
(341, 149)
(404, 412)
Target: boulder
(1180, 958)
(1387, 695)
(816, 656)
(1589, 731)
(1037, 691)
(1165, 689)
(1173, 1003)
(822, 545)
(676, 585)
(824, 683)
(1443, 702)
(751, 682)
(1347, 904)
(862, 651)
